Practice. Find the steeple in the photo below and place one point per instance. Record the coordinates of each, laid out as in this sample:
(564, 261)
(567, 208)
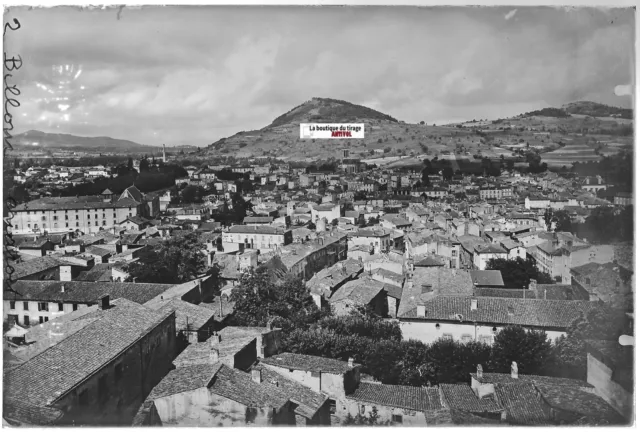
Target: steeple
(164, 154)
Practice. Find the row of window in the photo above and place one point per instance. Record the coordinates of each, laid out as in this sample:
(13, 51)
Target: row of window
(27, 320)
(42, 306)
(56, 211)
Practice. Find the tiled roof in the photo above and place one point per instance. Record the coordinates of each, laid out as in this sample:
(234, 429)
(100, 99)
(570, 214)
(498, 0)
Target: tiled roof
(257, 229)
(443, 281)
(398, 396)
(308, 400)
(96, 250)
(561, 292)
(239, 386)
(185, 379)
(503, 378)
(83, 292)
(100, 272)
(461, 396)
(503, 311)
(505, 293)
(579, 402)
(393, 291)
(308, 363)
(360, 291)
(27, 414)
(189, 314)
(487, 277)
(522, 404)
(258, 219)
(429, 261)
(37, 265)
(59, 369)
(227, 307)
(73, 203)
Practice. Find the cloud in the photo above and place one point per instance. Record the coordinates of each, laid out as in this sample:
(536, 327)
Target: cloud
(192, 75)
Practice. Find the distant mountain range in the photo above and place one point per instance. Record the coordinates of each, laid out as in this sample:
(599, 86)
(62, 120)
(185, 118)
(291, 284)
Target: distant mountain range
(34, 139)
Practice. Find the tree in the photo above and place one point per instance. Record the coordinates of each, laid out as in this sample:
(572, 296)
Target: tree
(144, 165)
(130, 164)
(530, 349)
(517, 273)
(192, 194)
(570, 351)
(447, 173)
(259, 298)
(563, 221)
(178, 260)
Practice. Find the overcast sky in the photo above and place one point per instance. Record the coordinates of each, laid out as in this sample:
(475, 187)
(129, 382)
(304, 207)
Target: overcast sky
(191, 75)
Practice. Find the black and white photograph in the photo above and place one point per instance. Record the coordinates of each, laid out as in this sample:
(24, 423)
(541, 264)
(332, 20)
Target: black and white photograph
(318, 214)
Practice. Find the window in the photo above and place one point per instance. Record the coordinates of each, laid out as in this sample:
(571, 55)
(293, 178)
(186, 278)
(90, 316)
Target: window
(44, 218)
(118, 372)
(66, 225)
(466, 338)
(43, 306)
(396, 418)
(485, 340)
(83, 398)
(26, 320)
(77, 217)
(12, 304)
(66, 217)
(588, 280)
(25, 306)
(12, 319)
(75, 306)
(332, 406)
(447, 336)
(55, 218)
(60, 307)
(77, 224)
(362, 409)
(43, 319)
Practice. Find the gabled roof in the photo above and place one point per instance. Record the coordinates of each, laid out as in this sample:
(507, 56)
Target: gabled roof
(522, 404)
(184, 379)
(59, 369)
(503, 311)
(308, 401)
(34, 266)
(308, 363)
(487, 277)
(398, 396)
(462, 397)
(187, 314)
(359, 291)
(83, 292)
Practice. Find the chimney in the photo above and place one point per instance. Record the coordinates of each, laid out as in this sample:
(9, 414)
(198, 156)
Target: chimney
(104, 302)
(533, 284)
(350, 362)
(474, 304)
(514, 370)
(216, 338)
(256, 375)
(214, 356)
(421, 311)
(479, 371)
(62, 288)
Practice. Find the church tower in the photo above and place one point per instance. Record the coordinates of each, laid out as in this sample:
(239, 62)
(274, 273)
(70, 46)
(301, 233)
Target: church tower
(164, 154)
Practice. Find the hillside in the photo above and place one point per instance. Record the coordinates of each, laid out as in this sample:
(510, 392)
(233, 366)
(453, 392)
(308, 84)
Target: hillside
(594, 109)
(321, 110)
(401, 144)
(44, 141)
